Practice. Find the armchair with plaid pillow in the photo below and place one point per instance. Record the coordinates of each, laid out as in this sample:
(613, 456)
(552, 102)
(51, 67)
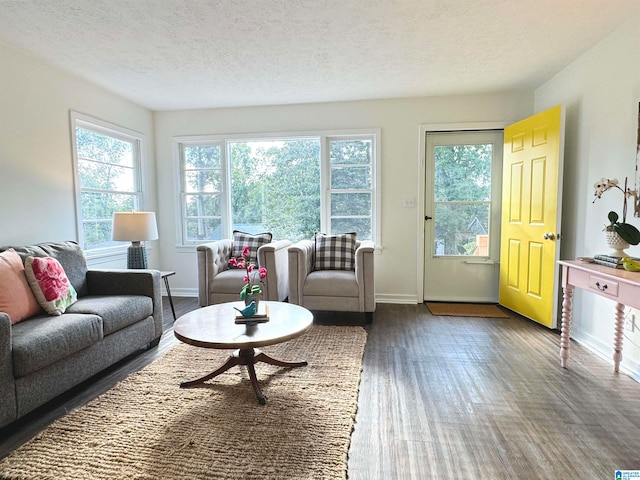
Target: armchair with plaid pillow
(333, 273)
(219, 282)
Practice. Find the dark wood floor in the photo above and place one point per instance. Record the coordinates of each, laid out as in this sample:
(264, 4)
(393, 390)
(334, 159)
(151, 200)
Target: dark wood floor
(448, 397)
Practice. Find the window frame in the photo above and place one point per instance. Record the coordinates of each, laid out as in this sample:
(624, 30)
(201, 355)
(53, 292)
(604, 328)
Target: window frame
(138, 141)
(325, 165)
(324, 138)
(182, 190)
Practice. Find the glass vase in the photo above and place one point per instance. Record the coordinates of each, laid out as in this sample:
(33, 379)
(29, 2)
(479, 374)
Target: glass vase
(252, 297)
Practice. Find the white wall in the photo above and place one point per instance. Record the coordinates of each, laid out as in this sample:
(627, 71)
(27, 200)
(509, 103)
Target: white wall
(36, 167)
(600, 91)
(399, 121)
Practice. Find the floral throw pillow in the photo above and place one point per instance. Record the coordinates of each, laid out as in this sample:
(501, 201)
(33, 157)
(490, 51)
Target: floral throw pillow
(49, 284)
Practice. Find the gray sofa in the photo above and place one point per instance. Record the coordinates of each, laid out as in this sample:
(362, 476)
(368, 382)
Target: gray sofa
(118, 312)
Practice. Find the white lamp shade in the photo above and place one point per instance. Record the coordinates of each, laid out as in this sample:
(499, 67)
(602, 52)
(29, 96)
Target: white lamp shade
(134, 226)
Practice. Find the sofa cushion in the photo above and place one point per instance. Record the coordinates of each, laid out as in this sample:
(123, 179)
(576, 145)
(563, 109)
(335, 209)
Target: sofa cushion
(43, 340)
(253, 242)
(331, 283)
(335, 252)
(70, 256)
(116, 311)
(49, 284)
(16, 298)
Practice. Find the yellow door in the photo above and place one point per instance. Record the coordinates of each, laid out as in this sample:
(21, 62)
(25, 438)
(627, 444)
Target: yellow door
(531, 204)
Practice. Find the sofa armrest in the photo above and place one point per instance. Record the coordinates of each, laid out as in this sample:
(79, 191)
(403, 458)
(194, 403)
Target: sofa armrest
(300, 265)
(129, 282)
(212, 258)
(8, 410)
(274, 257)
(365, 275)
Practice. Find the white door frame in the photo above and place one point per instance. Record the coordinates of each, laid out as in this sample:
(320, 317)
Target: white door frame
(422, 162)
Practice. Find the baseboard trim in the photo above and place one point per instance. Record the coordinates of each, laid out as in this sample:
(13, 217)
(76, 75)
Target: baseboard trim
(380, 298)
(397, 299)
(182, 292)
(605, 352)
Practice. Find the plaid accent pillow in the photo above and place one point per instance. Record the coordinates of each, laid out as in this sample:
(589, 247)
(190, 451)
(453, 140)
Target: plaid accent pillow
(335, 252)
(254, 242)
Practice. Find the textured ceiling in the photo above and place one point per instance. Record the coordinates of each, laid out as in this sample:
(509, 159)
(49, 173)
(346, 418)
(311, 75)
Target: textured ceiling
(185, 54)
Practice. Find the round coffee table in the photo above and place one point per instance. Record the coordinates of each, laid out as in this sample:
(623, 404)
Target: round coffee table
(214, 327)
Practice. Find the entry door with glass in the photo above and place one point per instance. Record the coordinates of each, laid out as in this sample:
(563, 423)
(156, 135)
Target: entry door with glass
(462, 222)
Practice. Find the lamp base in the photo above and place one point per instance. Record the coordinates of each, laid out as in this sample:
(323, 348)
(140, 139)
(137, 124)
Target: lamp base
(136, 256)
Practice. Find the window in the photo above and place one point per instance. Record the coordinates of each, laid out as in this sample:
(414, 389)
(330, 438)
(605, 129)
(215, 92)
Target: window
(202, 191)
(107, 169)
(351, 188)
(277, 184)
(462, 199)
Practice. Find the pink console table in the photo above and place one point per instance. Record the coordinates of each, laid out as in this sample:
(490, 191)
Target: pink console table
(616, 284)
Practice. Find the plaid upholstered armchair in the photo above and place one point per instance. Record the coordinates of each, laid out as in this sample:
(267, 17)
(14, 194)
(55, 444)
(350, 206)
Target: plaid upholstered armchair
(333, 273)
(217, 283)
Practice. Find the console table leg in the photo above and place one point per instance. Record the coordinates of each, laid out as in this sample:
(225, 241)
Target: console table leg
(565, 335)
(618, 337)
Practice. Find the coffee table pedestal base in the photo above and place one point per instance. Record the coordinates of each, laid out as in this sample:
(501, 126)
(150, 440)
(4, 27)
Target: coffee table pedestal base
(248, 357)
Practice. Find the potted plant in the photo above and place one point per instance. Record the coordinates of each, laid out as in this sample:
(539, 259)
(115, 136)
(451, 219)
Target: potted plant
(618, 230)
(252, 280)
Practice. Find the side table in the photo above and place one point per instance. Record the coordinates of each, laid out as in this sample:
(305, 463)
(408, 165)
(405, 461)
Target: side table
(165, 276)
(615, 284)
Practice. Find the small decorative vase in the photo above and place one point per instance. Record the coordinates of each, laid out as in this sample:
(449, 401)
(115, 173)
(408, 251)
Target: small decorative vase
(252, 297)
(616, 243)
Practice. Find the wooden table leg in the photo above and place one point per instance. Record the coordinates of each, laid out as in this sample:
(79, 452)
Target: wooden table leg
(232, 361)
(262, 399)
(565, 335)
(263, 357)
(618, 336)
(248, 357)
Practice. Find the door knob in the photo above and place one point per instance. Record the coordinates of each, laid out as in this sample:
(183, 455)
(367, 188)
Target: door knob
(549, 236)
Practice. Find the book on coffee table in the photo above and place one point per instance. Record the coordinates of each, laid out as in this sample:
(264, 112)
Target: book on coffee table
(261, 316)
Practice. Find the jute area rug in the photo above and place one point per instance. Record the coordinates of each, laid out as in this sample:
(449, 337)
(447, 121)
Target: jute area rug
(146, 427)
(466, 310)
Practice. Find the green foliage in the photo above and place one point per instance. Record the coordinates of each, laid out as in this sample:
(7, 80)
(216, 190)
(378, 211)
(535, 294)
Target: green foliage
(462, 192)
(626, 231)
(292, 190)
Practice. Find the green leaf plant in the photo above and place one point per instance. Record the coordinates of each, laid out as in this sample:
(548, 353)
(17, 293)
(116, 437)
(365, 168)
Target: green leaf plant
(626, 231)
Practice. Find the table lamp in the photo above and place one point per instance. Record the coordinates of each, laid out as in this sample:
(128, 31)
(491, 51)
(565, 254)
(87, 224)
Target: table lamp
(135, 227)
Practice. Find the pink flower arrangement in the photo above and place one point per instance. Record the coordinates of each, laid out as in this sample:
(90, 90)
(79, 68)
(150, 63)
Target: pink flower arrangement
(253, 274)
